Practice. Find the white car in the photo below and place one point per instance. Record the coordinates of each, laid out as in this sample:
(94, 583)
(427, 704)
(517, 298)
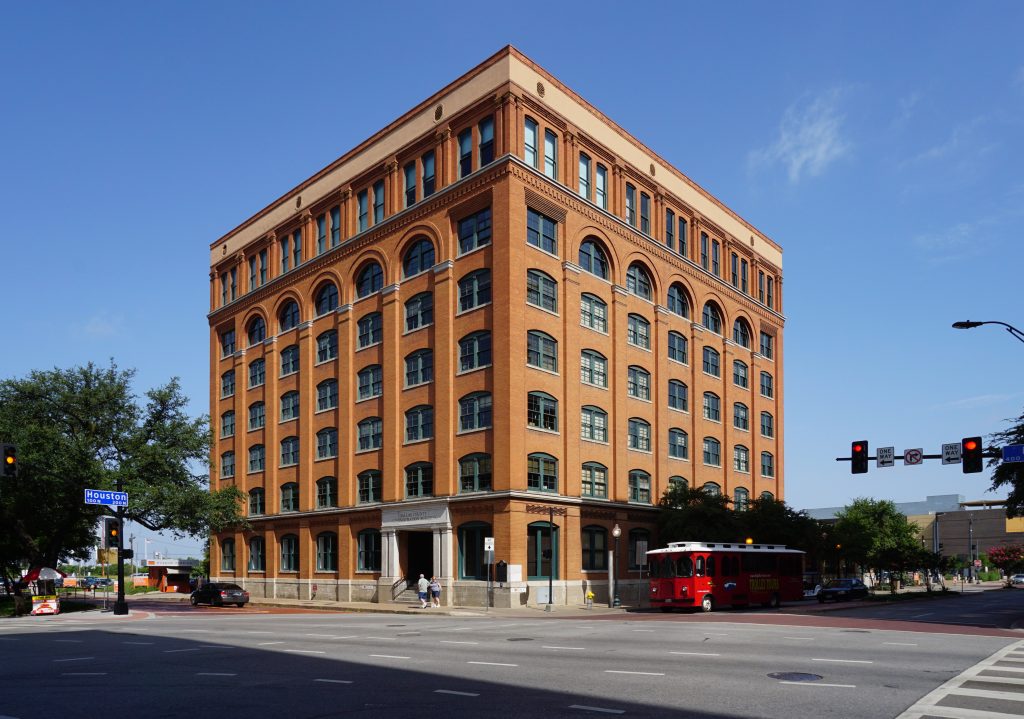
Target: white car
(1017, 579)
(811, 591)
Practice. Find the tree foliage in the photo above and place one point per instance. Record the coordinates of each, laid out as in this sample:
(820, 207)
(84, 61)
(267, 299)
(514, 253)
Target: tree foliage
(874, 534)
(83, 428)
(1009, 474)
(1009, 558)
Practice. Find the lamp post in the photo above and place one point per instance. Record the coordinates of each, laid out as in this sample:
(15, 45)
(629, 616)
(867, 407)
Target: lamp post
(146, 550)
(616, 532)
(969, 324)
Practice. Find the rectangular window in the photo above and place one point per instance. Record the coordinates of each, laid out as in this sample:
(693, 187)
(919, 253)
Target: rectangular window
(551, 154)
(767, 345)
(716, 267)
(257, 416)
(378, 202)
(252, 273)
(227, 343)
(593, 313)
(684, 240)
(704, 250)
(584, 176)
(263, 267)
(475, 231)
(486, 129)
(670, 228)
(631, 204)
(465, 141)
(541, 412)
(760, 287)
(767, 385)
(321, 234)
(771, 293)
(595, 481)
(410, 184)
(734, 269)
(227, 383)
(541, 232)
(541, 291)
(677, 346)
(223, 288)
(601, 187)
(645, 213)
(363, 201)
(286, 253)
(744, 269)
(427, 161)
(530, 143)
(335, 226)
(234, 283)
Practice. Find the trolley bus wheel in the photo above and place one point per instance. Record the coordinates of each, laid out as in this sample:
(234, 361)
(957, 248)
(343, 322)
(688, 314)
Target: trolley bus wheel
(772, 603)
(707, 603)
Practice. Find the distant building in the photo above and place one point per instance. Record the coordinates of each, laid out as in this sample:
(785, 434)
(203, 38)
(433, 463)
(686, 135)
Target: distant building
(930, 505)
(501, 316)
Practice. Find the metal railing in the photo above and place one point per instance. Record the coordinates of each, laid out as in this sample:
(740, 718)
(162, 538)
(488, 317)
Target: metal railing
(400, 586)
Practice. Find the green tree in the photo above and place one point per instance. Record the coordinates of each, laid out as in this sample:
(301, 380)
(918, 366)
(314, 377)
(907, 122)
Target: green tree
(1009, 558)
(875, 535)
(695, 515)
(84, 428)
(1009, 474)
(772, 521)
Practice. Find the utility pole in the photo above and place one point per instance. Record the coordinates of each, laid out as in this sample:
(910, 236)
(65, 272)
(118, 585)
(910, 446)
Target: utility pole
(970, 545)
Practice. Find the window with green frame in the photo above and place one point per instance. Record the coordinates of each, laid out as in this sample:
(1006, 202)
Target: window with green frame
(369, 551)
(542, 551)
(594, 542)
(471, 550)
(227, 555)
(289, 553)
(327, 552)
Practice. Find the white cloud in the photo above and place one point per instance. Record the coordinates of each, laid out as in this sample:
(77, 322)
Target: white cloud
(810, 137)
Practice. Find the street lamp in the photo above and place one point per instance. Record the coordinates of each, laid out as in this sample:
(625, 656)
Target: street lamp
(969, 324)
(616, 532)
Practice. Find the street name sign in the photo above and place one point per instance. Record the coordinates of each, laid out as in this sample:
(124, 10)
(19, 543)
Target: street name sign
(113, 499)
(913, 456)
(885, 456)
(1013, 453)
(951, 453)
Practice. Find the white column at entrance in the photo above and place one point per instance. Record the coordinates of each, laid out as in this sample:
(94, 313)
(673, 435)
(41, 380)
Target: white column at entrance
(438, 553)
(447, 567)
(390, 546)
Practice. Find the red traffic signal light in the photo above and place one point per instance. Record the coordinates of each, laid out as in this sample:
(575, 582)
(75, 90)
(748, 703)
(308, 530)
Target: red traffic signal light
(859, 457)
(971, 455)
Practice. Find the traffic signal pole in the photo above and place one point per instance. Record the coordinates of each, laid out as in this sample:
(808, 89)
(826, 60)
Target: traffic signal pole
(120, 605)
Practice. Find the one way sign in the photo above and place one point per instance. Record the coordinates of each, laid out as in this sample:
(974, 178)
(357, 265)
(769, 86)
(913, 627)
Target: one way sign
(951, 453)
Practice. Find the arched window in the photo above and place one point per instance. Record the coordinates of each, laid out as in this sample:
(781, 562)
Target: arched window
(712, 452)
(741, 333)
(257, 458)
(542, 411)
(678, 396)
(712, 407)
(638, 331)
(639, 486)
(541, 473)
(594, 480)
(290, 497)
(678, 481)
(541, 350)
(419, 480)
(419, 311)
(474, 351)
(740, 416)
(740, 374)
(678, 444)
(327, 443)
(767, 464)
(541, 290)
(541, 551)
(639, 434)
(257, 415)
(327, 552)
(289, 451)
(593, 312)
(740, 499)
(767, 425)
(419, 367)
(257, 331)
(593, 368)
(371, 433)
(712, 488)
(712, 363)
(326, 492)
(712, 318)
(475, 473)
(474, 290)
(593, 424)
(677, 303)
(638, 383)
(257, 501)
(227, 555)
(678, 348)
(227, 424)
(418, 258)
(475, 411)
(593, 259)
(767, 496)
(289, 316)
(289, 406)
(369, 280)
(369, 551)
(289, 553)
(289, 360)
(594, 541)
(370, 486)
(419, 423)
(257, 556)
(370, 329)
(638, 281)
(257, 373)
(370, 382)
(327, 346)
(472, 560)
(326, 299)
(741, 458)
(639, 543)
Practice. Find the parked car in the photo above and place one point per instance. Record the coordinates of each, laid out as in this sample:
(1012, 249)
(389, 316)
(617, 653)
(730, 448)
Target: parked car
(840, 589)
(1017, 579)
(811, 590)
(219, 594)
(95, 582)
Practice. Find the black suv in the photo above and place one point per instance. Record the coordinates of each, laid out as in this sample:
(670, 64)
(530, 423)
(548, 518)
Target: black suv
(219, 594)
(840, 589)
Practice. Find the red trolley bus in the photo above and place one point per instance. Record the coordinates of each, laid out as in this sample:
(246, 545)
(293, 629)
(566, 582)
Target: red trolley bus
(715, 574)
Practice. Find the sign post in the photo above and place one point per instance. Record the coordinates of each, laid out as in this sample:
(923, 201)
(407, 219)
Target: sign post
(489, 560)
(119, 500)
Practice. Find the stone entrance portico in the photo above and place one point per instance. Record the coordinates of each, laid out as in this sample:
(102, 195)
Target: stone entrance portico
(432, 516)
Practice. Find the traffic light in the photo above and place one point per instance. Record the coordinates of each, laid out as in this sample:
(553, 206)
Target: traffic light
(859, 457)
(111, 533)
(971, 452)
(10, 459)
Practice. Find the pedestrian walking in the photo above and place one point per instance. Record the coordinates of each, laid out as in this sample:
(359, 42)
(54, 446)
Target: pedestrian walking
(423, 586)
(435, 592)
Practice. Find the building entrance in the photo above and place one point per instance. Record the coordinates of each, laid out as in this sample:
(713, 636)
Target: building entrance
(419, 555)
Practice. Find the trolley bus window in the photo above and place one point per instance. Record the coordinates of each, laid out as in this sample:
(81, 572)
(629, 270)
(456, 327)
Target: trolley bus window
(711, 566)
(700, 566)
(684, 567)
(653, 567)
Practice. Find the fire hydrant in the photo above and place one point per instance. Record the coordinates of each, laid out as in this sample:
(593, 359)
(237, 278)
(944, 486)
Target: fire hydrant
(590, 600)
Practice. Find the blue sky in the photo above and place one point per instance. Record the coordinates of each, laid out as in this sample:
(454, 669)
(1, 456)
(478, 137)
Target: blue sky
(880, 144)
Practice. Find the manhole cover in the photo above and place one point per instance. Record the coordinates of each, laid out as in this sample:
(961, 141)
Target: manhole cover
(795, 676)
(520, 639)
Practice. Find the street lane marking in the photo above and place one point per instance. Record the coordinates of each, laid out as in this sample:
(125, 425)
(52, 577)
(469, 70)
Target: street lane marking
(304, 651)
(462, 629)
(194, 631)
(713, 634)
(74, 659)
(574, 648)
(348, 636)
(643, 630)
(254, 632)
(214, 646)
(844, 661)
(83, 674)
(173, 651)
(494, 664)
(267, 644)
(458, 694)
(696, 654)
(900, 644)
(584, 707)
(333, 681)
(449, 641)
(321, 636)
(388, 656)
(390, 639)
(141, 644)
(802, 639)
(819, 684)
(216, 674)
(928, 614)
(646, 674)
(75, 641)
